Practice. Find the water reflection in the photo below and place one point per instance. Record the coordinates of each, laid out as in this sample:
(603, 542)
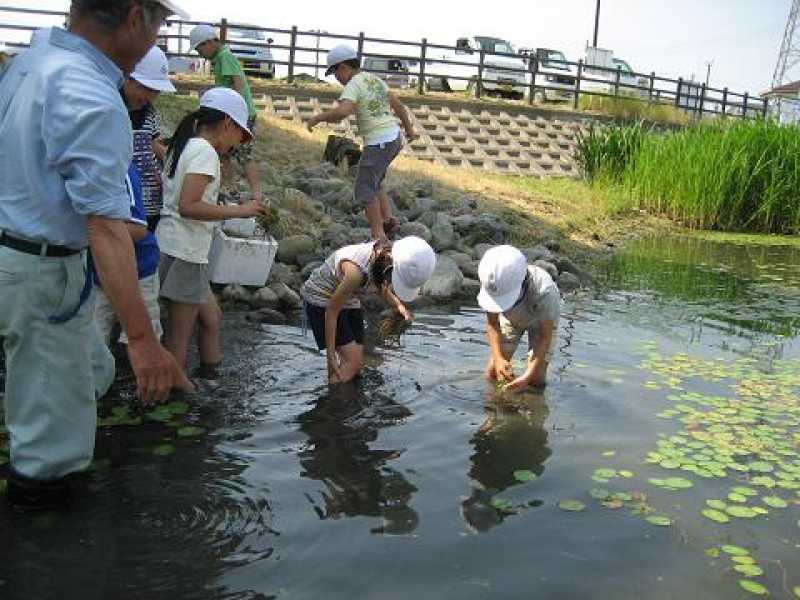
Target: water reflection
(357, 478)
(511, 438)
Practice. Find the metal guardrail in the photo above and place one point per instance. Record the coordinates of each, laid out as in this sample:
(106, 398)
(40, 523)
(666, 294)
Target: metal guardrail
(289, 49)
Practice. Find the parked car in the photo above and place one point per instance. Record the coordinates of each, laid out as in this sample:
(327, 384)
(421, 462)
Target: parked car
(602, 67)
(553, 72)
(398, 75)
(252, 48)
(502, 75)
(173, 47)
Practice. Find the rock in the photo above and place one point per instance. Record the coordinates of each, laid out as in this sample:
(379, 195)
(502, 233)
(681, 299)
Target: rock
(423, 189)
(552, 245)
(549, 267)
(281, 273)
(565, 265)
(402, 197)
(537, 253)
(339, 199)
(320, 188)
(465, 206)
(336, 235)
(414, 228)
(481, 249)
(269, 174)
(568, 282)
(290, 247)
(308, 269)
(288, 298)
(267, 315)
(470, 288)
(442, 233)
(471, 269)
(420, 207)
(237, 293)
(264, 298)
(462, 260)
(305, 259)
(293, 200)
(359, 235)
(488, 228)
(446, 281)
(464, 223)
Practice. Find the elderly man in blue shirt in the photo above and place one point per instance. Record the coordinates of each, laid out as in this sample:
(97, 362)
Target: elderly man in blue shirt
(66, 144)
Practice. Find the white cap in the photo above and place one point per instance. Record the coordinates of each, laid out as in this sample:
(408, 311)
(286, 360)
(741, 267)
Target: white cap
(413, 262)
(153, 71)
(339, 54)
(229, 102)
(502, 271)
(200, 34)
(173, 8)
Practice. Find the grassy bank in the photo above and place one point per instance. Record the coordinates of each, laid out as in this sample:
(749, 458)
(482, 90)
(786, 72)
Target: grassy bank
(734, 176)
(563, 209)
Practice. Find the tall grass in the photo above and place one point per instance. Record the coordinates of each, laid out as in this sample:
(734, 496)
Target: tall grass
(730, 176)
(629, 107)
(604, 152)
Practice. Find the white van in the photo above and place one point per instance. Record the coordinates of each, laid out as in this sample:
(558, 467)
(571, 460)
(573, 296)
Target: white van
(607, 75)
(502, 75)
(552, 72)
(257, 58)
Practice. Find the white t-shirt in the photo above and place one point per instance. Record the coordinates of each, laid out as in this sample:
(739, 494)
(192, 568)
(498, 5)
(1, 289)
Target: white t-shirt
(183, 238)
(374, 117)
(540, 302)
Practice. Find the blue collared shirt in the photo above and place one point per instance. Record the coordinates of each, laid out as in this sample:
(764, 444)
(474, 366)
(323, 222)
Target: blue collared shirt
(65, 140)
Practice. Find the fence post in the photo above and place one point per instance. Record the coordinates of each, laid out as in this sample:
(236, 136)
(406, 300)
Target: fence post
(702, 102)
(766, 108)
(678, 93)
(292, 46)
(223, 31)
(616, 81)
(652, 86)
(744, 105)
(360, 45)
(533, 64)
(479, 84)
(577, 94)
(724, 101)
(423, 52)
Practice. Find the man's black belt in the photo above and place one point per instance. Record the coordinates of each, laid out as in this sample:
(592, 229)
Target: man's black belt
(35, 248)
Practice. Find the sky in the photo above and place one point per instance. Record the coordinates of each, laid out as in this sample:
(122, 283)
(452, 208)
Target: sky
(674, 38)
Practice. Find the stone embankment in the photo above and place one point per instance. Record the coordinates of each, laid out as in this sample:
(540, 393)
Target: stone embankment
(318, 215)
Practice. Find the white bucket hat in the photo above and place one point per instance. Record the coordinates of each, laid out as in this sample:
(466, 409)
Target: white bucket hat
(153, 71)
(200, 34)
(413, 262)
(229, 102)
(173, 8)
(502, 271)
(339, 54)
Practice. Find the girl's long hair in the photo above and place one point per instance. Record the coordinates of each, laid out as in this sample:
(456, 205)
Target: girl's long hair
(186, 130)
(380, 271)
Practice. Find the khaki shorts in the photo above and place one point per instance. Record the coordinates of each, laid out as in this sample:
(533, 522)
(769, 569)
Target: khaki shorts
(511, 337)
(375, 161)
(182, 281)
(105, 317)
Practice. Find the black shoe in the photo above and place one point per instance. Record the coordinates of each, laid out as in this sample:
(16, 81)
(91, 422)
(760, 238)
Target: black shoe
(33, 495)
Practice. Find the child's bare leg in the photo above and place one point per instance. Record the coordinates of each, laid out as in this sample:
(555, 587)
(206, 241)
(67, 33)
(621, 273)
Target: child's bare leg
(351, 361)
(375, 218)
(208, 338)
(386, 206)
(180, 326)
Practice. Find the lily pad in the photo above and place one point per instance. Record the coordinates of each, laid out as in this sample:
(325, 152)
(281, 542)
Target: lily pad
(743, 560)
(741, 512)
(186, 432)
(744, 491)
(797, 591)
(678, 483)
(715, 515)
(164, 450)
(716, 504)
(761, 467)
(749, 570)
(626, 474)
(735, 550)
(501, 504)
(659, 521)
(767, 482)
(775, 502)
(572, 505)
(753, 587)
(737, 498)
(599, 493)
(606, 473)
(523, 475)
(609, 454)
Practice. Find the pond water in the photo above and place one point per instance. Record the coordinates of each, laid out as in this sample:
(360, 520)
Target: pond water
(674, 384)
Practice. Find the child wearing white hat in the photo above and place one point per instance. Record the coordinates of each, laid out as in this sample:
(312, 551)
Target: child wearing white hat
(331, 296)
(148, 80)
(379, 114)
(518, 299)
(191, 188)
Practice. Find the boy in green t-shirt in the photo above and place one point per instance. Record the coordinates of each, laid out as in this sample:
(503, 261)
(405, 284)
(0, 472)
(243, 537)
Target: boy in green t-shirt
(379, 115)
(228, 72)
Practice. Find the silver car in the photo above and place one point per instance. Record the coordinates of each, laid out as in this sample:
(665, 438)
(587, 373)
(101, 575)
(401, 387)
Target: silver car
(394, 71)
(257, 58)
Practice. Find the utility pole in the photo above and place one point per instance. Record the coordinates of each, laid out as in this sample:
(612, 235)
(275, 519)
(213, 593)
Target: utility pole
(596, 22)
(708, 71)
